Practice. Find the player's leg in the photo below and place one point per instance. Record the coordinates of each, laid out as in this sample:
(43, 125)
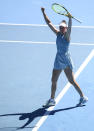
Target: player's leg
(55, 76)
(70, 76)
(71, 79)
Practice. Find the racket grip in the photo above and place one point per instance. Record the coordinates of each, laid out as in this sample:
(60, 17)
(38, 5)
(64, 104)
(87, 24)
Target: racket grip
(77, 19)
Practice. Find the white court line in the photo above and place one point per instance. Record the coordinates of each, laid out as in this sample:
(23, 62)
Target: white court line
(42, 42)
(39, 25)
(62, 93)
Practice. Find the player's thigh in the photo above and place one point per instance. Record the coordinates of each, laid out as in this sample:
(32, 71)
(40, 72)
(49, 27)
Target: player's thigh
(55, 75)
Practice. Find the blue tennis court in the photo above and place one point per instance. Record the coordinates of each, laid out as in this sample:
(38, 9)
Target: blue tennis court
(26, 63)
(27, 54)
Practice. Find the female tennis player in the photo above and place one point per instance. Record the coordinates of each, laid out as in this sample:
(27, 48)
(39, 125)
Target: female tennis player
(63, 59)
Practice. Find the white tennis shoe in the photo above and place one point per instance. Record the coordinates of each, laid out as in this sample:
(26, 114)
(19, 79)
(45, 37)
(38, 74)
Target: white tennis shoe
(83, 100)
(50, 102)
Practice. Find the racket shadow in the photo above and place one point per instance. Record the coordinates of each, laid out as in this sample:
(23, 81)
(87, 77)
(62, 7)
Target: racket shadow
(65, 109)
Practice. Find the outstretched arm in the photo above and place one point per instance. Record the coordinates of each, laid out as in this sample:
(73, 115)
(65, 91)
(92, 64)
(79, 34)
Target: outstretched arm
(49, 22)
(69, 28)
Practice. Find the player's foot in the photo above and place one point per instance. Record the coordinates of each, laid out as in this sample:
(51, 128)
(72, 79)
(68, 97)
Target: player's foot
(50, 102)
(83, 100)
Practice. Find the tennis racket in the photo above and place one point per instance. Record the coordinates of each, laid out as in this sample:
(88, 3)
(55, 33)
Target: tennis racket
(59, 9)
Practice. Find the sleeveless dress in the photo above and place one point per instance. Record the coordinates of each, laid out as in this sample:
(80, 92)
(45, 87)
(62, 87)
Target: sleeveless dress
(62, 59)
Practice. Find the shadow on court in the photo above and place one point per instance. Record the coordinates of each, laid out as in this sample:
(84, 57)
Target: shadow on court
(37, 113)
(12, 128)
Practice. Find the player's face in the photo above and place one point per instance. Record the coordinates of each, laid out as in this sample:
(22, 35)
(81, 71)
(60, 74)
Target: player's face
(63, 29)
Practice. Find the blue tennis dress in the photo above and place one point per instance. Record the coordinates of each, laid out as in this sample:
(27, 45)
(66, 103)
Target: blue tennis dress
(63, 58)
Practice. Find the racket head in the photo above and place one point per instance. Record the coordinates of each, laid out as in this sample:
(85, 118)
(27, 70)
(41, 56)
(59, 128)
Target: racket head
(59, 9)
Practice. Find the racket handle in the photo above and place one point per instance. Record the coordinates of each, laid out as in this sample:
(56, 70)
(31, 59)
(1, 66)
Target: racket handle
(69, 15)
(77, 19)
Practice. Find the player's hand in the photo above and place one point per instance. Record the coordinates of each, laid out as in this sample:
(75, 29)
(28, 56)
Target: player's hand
(69, 15)
(42, 9)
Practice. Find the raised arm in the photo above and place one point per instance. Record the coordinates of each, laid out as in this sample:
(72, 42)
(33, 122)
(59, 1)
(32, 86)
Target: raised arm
(69, 28)
(52, 27)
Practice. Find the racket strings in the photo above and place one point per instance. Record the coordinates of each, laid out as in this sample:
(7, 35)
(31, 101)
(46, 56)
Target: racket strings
(59, 9)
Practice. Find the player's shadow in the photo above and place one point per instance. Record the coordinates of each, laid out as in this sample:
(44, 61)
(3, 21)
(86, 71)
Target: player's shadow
(37, 113)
